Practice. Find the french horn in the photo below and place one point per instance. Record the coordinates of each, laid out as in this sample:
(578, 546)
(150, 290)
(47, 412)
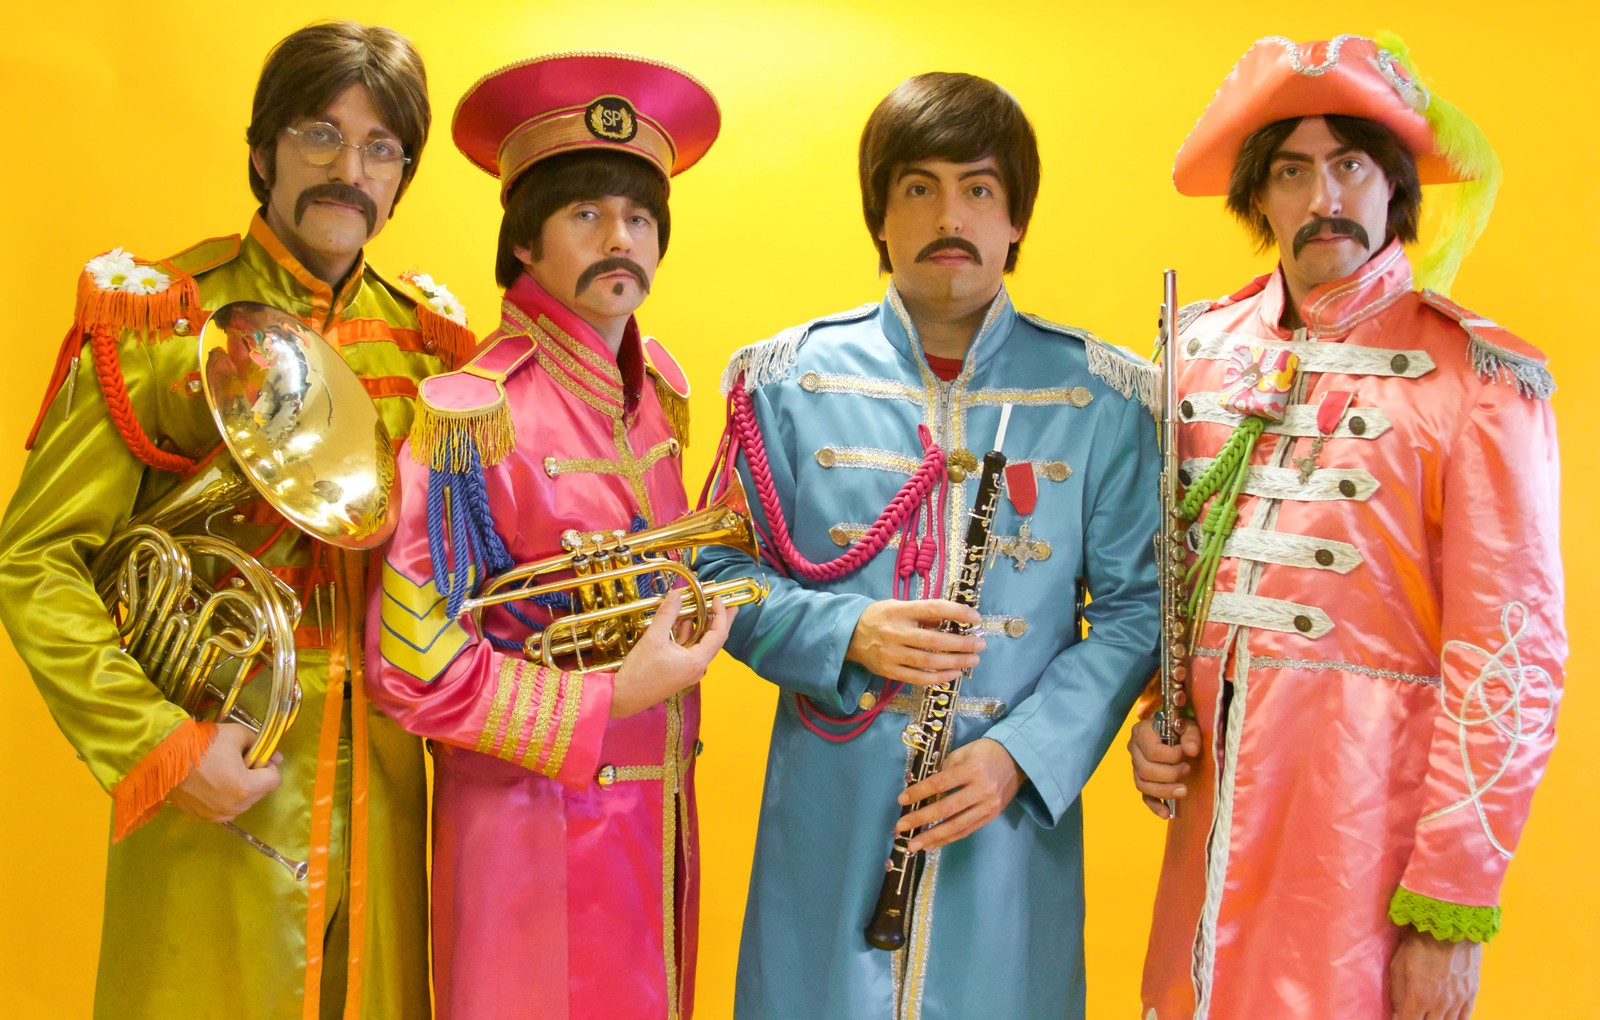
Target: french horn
(199, 614)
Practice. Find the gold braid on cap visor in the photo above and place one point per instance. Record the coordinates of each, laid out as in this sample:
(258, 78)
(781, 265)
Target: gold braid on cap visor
(567, 129)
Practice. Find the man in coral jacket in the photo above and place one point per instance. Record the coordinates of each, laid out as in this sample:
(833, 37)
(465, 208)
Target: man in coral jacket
(565, 857)
(1378, 658)
(196, 923)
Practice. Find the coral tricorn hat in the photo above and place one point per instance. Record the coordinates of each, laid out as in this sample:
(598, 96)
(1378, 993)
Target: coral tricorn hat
(560, 102)
(1278, 79)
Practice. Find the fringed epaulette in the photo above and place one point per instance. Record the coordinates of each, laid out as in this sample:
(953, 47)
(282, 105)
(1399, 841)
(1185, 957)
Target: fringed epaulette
(1118, 367)
(773, 359)
(1496, 353)
(672, 387)
(441, 317)
(123, 296)
(462, 427)
(462, 418)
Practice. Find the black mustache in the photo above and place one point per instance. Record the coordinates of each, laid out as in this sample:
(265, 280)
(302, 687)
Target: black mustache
(1335, 225)
(611, 265)
(344, 194)
(958, 243)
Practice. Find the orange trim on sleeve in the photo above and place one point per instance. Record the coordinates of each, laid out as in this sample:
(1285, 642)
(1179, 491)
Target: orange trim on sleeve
(140, 793)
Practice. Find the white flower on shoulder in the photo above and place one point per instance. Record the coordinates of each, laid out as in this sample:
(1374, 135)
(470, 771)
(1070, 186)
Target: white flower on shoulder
(116, 270)
(111, 270)
(439, 297)
(147, 280)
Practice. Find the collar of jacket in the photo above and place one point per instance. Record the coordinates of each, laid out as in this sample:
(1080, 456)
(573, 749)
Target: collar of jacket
(1333, 309)
(283, 273)
(575, 353)
(991, 335)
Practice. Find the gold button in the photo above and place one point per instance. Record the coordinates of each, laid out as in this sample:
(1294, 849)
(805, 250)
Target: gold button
(1358, 426)
(1325, 557)
(1055, 470)
(1347, 488)
(1399, 363)
(1080, 396)
(193, 386)
(1194, 347)
(606, 776)
(826, 457)
(840, 534)
(1184, 476)
(956, 472)
(1302, 624)
(867, 700)
(550, 467)
(1016, 627)
(1187, 410)
(674, 447)
(181, 327)
(998, 712)
(810, 382)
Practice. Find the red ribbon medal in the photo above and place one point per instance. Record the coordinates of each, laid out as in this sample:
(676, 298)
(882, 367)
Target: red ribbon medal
(1022, 487)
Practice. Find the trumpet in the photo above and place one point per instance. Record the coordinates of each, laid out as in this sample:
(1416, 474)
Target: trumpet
(611, 607)
(298, 429)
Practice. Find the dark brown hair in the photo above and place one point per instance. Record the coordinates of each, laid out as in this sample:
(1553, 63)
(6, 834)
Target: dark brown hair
(309, 69)
(1250, 172)
(581, 176)
(956, 117)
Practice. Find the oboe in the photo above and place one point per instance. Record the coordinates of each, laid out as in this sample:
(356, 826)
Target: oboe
(1171, 547)
(928, 733)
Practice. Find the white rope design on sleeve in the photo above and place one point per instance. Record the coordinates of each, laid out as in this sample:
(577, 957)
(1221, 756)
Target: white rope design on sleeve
(1508, 717)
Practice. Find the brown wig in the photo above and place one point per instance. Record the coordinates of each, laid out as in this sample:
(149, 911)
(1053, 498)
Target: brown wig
(584, 175)
(1399, 167)
(960, 118)
(309, 69)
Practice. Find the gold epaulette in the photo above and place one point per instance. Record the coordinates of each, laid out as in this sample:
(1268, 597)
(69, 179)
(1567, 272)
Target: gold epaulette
(463, 416)
(672, 387)
(441, 317)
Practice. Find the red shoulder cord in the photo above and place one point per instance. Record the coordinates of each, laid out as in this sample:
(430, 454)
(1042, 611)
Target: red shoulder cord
(108, 370)
(910, 511)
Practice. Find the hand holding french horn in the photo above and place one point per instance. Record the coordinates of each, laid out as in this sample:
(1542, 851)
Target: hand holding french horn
(201, 616)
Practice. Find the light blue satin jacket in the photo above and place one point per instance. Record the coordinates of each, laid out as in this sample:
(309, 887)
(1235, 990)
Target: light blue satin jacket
(998, 924)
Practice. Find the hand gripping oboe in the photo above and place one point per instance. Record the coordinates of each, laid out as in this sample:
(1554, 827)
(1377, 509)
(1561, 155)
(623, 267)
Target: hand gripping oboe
(928, 733)
(1171, 547)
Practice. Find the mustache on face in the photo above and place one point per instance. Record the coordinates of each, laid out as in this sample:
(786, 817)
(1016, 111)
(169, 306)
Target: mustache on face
(1334, 225)
(344, 194)
(611, 265)
(938, 245)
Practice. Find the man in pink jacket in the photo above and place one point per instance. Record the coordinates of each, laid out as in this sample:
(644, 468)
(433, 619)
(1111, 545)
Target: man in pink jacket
(564, 856)
(1371, 475)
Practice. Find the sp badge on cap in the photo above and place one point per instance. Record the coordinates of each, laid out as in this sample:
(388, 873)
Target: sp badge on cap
(561, 102)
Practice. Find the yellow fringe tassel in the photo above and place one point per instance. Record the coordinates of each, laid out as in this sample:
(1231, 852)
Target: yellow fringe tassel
(677, 410)
(153, 314)
(140, 793)
(440, 441)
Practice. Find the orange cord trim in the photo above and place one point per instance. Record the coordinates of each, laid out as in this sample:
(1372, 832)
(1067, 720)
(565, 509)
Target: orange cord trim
(360, 784)
(322, 814)
(108, 370)
(140, 793)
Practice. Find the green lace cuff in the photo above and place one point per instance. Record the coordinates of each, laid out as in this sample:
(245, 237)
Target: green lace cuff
(1442, 920)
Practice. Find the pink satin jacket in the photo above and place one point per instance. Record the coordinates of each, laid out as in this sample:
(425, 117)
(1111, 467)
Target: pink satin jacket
(1377, 682)
(564, 868)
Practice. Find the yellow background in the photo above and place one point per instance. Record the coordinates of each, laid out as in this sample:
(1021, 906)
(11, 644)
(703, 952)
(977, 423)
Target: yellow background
(124, 125)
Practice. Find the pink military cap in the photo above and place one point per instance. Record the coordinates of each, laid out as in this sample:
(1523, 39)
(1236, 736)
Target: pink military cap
(524, 112)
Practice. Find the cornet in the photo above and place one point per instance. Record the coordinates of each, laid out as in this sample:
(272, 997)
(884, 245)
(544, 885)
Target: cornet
(610, 612)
